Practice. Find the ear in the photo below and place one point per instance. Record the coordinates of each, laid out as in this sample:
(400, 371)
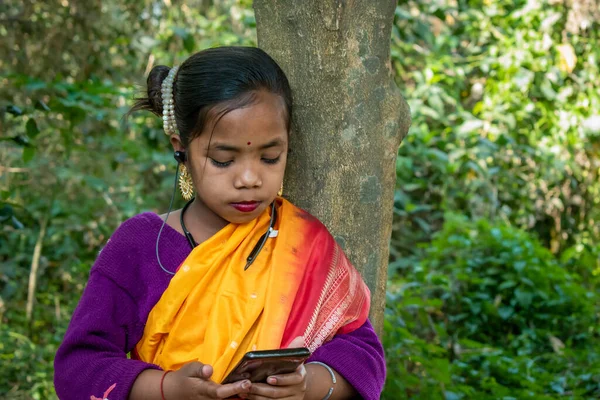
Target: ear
(176, 143)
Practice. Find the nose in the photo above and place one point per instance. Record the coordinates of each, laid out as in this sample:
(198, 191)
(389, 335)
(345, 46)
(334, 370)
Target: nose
(248, 178)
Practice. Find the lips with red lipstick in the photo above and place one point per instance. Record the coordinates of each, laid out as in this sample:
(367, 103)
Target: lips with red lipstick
(246, 206)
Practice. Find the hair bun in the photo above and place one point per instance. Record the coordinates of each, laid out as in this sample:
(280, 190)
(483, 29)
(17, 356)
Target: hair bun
(155, 78)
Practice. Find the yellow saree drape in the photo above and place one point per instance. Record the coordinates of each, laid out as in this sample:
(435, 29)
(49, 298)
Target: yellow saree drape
(214, 312)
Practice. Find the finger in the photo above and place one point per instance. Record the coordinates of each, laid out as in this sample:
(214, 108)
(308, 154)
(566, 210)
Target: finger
(295, 378)
(257, 397)
(196, 369)
(271, 392)
(297, 342)
(217, 391)
(207, 371)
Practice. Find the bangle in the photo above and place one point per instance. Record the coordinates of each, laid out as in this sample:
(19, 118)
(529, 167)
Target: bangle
(162, 380)
(328, 368)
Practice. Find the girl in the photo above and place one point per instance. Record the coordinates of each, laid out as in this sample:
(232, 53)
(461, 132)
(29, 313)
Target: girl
(238, 269)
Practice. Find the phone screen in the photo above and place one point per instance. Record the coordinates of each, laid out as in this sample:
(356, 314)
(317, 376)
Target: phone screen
(257, 366)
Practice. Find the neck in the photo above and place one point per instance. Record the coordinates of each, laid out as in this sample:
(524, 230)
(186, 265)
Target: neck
(202, 222)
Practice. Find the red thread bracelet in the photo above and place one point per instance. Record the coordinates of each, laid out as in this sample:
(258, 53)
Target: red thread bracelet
(162, 380)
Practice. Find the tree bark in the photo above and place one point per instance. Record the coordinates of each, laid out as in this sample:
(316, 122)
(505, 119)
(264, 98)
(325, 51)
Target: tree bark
(349, 119)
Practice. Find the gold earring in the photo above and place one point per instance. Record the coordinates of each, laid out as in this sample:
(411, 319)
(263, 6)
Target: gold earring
(186, 185)
(280, 193)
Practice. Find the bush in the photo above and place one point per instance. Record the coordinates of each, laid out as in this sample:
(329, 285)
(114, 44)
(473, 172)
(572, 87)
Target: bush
(502, 128)
(495, 262)
(490, 313)
(498, 285)
(27, 366)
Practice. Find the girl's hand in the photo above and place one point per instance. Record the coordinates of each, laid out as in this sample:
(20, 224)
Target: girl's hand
(289, 386)
(192, 382)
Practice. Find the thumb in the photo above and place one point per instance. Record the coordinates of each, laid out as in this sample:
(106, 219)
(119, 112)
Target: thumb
(196, 369)
(297, 342)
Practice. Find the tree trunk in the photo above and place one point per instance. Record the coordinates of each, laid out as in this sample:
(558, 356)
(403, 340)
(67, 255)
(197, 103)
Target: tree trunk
(349, 119)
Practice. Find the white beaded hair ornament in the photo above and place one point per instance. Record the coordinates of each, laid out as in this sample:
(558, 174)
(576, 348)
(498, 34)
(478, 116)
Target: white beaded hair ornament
(169, 124)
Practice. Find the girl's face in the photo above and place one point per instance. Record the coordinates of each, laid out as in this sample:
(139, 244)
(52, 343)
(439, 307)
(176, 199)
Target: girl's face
(239, 170)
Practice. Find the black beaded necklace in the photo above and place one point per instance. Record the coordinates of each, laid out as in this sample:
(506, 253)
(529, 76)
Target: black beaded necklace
(257, 248)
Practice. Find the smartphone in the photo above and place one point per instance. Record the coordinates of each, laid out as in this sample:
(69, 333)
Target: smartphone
(257, 366)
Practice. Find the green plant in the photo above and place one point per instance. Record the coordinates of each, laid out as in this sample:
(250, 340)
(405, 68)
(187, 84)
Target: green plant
(494, 254)
(490, 313)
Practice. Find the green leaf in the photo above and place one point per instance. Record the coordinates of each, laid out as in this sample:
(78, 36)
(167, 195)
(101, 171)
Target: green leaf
(35, 85)
(40, 105)
(28, 153)
(520, 266)
(469, 127)
(21, 140)
(6, 212)
(557, 387)
(506, 285)
(32, 128)
(189, 43)
(451, 395)
(524, 298)
(548, 91)
(14, 110)
(505, 312)
(95, 183)
(188, 40)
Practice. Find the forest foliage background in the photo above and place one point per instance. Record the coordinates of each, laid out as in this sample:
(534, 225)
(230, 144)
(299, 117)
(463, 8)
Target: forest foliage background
(495, 255)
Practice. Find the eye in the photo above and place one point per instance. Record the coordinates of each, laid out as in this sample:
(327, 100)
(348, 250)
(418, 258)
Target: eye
(219, 164)
(271, 160)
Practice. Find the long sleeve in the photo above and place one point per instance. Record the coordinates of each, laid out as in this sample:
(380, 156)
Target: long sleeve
(358, 356)
(125, 283)
(93, 355)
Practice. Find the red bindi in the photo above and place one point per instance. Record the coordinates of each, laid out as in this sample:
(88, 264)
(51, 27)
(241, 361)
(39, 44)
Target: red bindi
(249, 143)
